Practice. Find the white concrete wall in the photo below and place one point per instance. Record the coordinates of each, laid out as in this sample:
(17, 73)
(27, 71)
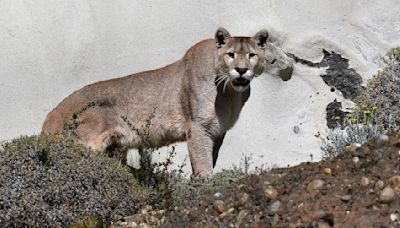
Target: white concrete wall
(49, 48)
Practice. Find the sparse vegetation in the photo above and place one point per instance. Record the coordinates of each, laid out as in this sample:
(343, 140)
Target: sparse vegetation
(383, 94)
(377, 110)
(170, 188)
(353, 132)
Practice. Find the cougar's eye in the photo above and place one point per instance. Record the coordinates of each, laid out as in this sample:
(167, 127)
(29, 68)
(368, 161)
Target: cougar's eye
(251, 55)
(231, 54)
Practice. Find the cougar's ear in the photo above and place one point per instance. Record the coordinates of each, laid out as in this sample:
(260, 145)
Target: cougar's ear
(221, 37)
(261, 38)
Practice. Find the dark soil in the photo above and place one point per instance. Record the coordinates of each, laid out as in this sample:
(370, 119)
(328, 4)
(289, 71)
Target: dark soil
(349, 195)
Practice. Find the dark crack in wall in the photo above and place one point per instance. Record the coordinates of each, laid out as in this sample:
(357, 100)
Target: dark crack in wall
(334, 114)
(339, 77)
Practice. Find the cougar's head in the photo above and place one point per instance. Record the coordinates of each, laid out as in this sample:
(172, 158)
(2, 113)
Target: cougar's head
(240, 59)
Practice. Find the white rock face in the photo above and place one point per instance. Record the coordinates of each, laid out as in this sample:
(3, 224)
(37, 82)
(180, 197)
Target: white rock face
(48, 49)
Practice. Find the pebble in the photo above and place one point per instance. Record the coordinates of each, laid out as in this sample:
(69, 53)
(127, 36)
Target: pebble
(275, 220)
(219, 206)
(244, 198)
(356, 145)
(132, 225)
(364, 181)
(275, 206)
(387, 195)
(146, 209)
(345, 198)
(296, 129)
(315, 185)
(353, 147)
(394, 182)
(217, 194)
(322, 224)
(230, 210)
(355, 160)
(328, 171)
(271, 193)
(382, 141)
(145, 225)
(239, 219)
(394, 217)
(379, 185)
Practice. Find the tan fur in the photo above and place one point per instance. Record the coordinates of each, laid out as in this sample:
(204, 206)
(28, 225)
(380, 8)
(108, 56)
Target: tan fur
(184, 97)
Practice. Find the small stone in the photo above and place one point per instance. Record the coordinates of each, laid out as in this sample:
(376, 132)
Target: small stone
(382, 141)
(271, 193)
(239, 219)
(379, 185)
(219, 206)
(322, 224)
(230, 210)
(296, 129)
(146, 209)
(364, 181)
(242, 187)
(356, 145)
(394, 217)
(275, 220)
(353, 147)
(345, 198)
(145, 225)
(328, 171)
(153, 219)
(315, 185)
(355, 160)
(387, 195)
(217, 194)
(244, 198)
(275, 206)
(394, 182)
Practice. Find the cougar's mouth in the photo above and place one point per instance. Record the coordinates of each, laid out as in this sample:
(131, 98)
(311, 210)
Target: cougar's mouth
(240, 81)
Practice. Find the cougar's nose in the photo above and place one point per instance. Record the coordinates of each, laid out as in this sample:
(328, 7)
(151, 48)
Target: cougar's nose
(241, 71)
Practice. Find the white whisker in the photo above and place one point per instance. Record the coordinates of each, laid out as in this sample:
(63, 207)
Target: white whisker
(226, 83)
(222, 78)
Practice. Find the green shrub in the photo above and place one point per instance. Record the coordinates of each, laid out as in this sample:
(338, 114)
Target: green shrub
(348, 135)
(377, 110)
(383, 94)
(48, 181)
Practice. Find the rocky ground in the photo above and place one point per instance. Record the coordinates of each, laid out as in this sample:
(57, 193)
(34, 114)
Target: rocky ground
(359, 188)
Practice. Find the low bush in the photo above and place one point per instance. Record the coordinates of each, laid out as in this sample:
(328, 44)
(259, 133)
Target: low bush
(383, 94)
(347, 136)
(48, 181)
(377, 110)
